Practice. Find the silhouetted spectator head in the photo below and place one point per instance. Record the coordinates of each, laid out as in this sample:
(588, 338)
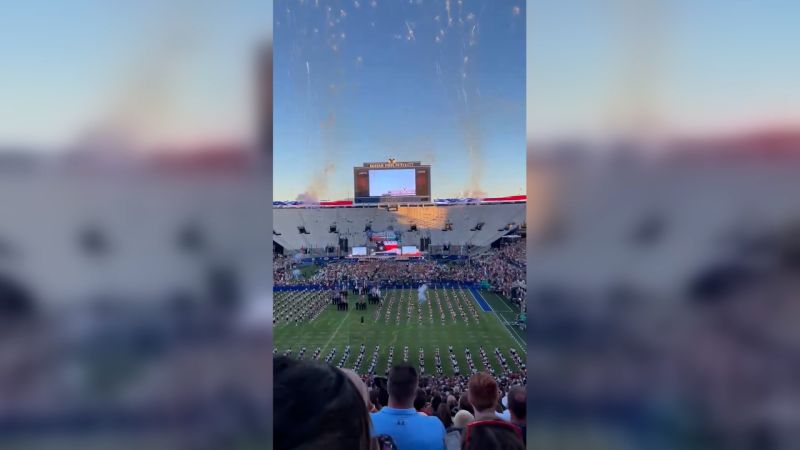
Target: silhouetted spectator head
(464, 404)
(373, 398)
(358, 383)
(436, 401)
(517, 400)
(443, 413)
(383, 391)
(492, 435)
(452, 401)
(420, 400)
(403, 380)
(317, 407)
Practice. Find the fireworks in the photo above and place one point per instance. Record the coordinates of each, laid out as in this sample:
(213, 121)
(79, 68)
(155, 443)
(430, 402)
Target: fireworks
(410, 35)
(341, 28)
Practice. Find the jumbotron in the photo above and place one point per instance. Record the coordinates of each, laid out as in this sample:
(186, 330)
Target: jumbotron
(392, 215)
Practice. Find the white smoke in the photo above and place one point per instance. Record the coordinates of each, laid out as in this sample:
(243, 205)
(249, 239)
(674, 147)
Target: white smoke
(422, 293)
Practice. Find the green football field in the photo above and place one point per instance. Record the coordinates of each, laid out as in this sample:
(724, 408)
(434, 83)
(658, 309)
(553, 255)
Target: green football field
(401, 321)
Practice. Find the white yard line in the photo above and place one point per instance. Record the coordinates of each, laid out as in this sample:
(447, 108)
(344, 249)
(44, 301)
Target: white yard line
(325, 347)
(507, 309)
(515, 331)
(513, 335)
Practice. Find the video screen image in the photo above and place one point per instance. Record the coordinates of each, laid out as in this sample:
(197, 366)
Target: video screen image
(392, 183)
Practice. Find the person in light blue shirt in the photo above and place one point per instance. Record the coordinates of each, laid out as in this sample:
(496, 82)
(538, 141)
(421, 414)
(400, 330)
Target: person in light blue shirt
(409, 429)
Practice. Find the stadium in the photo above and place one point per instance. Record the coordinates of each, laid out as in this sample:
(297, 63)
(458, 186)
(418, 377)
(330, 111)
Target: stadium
(399, 225)
(369, 281)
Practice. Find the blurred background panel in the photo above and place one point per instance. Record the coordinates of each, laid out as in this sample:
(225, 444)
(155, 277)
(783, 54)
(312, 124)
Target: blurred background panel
(663, 172)
(135, 184)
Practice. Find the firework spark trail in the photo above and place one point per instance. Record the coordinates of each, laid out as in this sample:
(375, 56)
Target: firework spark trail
(454, 67)
(410, 32)
(308, 84)
(470, 114)
(321, 92)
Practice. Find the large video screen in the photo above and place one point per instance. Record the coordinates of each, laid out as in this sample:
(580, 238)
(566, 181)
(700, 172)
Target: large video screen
(410, 250)
(392, 182)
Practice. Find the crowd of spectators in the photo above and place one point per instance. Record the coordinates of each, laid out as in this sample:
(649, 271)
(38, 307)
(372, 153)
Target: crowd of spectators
(282, 269)
(321, 406)
(503, 268)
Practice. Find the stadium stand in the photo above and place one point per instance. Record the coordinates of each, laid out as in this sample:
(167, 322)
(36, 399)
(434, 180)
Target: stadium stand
(476, 225)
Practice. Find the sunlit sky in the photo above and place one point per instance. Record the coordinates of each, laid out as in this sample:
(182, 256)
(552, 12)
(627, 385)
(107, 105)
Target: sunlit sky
(689, 66)
(358, 81)
(71, 67)
(171, 71)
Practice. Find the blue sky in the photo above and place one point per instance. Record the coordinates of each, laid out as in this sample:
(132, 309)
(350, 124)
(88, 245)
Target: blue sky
(367, 81)
(383, 181)
(70, 67)
(704, 66)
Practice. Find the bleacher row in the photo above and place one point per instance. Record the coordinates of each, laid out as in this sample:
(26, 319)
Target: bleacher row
(496, 365)
(430, 221)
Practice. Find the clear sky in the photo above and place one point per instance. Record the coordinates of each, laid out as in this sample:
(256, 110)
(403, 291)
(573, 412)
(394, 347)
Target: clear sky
(165, 70)
(369, 80)
(384, 182)
(690, 66)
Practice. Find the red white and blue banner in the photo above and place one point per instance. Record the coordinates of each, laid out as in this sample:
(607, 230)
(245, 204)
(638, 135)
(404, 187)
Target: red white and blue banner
(438, 201)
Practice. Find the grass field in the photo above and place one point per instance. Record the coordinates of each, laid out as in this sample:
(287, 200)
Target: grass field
(337, 329)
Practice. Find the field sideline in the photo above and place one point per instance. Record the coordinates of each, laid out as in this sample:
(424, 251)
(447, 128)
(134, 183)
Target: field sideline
(336, 329)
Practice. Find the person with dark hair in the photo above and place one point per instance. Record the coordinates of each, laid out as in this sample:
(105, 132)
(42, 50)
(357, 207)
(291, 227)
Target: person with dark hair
(517, 400)
(409, 429)
(383, 392)
(463, 403)
(373, 400)
(420, 401)
(452, 404)
(492, 434)
(452, 439)
(317, 406)
(436, 400)
(488, 432)
(444, 415)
